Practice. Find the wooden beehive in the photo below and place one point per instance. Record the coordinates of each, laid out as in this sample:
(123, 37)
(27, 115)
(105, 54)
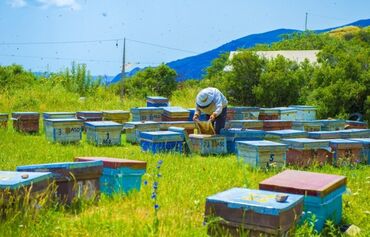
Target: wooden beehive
(242, 112)
(263, 154)
(240, 134)
(208, 144)
(133, 130)
(272, 125)
(365, 149)
(175, 114)
(277, 135)
(27, 122)
(287, 113)
(90, 116)
(240, 211)
(268, 114)
(305, 112)
(308, 126)
(156, 101)
(250, 124)
(118, 116)
(305, 152)
(103, 133)
(355, 133)
(346, 152)
(146, 114)
(63, 130)
(161, 141)
(324, 135)
(332, 124)
(322, 193)
(74, 179)
(119, 175)
(3, 120)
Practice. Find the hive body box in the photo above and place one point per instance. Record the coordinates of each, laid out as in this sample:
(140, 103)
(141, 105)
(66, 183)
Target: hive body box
(332, 124)
(305, 112)
(346, 152)
(264, 154)
(104, 133)
(133, 130)
(118, 116)
(356, 124)
(27, 122)
(305, 152)
(287, 113)
(156, 101)
(3, 120)
(308, 126)
(365, 149)
(63, 130)
(175, 114)
(324, 135)
(15, 187)
(88, 116)
(119, 175)
(208, 144)
(252, 212)
(202, 117)
(241, 112)
(251, 124)
(161, 141)
(355, 133)
(269, 114)
(323, 193)
(272, 125)
(73, 179)
(281, 134)
(240, 134)
(146, 114)
(189, 126)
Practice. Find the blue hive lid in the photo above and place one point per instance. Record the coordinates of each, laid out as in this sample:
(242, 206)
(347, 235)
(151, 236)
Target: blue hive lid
(62, 165)
(162, 136)
(242, 132)
(331, 121)
(362, 140)
(14, 180)
(258, 201)
(103, 124)
(301, 122)
(157, 109)
(174, 109)
(342, 141)
(333, 134)
(286, 132)
(300, 142)
(64, 120)
(291, 109)
(59, 113)
(309, 107)
(263, 143)
(156, 98)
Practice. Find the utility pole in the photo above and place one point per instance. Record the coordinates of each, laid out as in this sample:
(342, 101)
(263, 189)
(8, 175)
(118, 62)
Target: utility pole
(305, 23)
(123, 66)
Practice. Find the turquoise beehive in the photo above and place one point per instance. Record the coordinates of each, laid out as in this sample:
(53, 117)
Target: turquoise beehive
(240, 134)
(133, 130)
(103, 133)
(305, 112)
(63, 130)
(161, 141)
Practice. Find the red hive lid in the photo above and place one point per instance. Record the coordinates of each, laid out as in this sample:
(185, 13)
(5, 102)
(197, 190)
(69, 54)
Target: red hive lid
(304, 183)
(115, 162)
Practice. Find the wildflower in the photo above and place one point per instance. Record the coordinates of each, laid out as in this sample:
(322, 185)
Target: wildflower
(160, 162)
(156, 206)
(159, 175)
(154, 195)
(155, 185)
(145, 182)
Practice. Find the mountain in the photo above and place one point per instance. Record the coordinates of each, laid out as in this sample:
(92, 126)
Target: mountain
(194, 67)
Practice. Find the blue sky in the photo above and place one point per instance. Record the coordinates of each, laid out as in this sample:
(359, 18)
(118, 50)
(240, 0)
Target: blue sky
(191, 26)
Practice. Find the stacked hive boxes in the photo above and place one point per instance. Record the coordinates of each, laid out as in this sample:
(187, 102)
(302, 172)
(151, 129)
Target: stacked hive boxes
(27, 122)
(175, 114)
(264, 154)
(322, 193)
(133, 130)
(118, 116)
(119, 175)
(147, 114)
(247, 212)
(161, 141)
(3, 120)
(240, 134)
(156, 101)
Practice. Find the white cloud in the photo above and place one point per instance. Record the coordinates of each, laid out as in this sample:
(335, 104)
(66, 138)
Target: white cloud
(17, 3)
(60, 3)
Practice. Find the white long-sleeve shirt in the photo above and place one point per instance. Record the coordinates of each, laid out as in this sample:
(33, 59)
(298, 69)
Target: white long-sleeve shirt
(218, 103)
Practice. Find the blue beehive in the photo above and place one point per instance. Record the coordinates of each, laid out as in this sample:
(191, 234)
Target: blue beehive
(239, 134)
(365, 148)
(161, 141)
(208, 144)
(73, 179)
(355, 133)
(283, 134)
(119, 175)
(106, 133)
(255, 212)
(308, 126)
(202, 117)
(251, 124)
(346, 152)
(146, 114)
(322, 193)
(287, 113)
(305, 112)
(156, 101)
(63, 130)
(242, 112)
(262, 154)
(133, 130)
(332, 124)
(12, 180)
(324, 135)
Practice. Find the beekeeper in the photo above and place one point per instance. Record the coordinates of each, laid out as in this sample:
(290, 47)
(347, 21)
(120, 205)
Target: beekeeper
(214, 104)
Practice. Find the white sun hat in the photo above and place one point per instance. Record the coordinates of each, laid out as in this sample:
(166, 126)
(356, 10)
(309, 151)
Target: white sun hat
(205, 97)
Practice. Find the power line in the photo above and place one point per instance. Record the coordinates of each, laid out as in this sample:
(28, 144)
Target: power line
(328, 17)
(160, 46)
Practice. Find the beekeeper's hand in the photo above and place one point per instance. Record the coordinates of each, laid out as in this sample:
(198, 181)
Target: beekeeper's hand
(196, 117)
(213, 116)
